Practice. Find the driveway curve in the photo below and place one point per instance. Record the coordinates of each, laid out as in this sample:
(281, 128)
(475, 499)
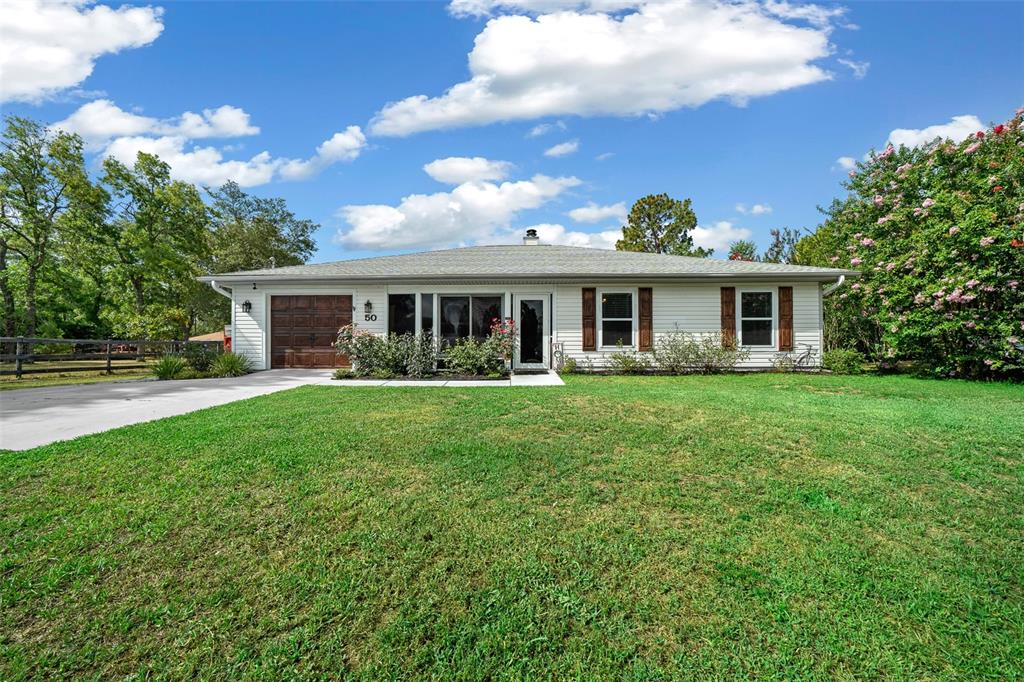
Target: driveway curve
(30, 417)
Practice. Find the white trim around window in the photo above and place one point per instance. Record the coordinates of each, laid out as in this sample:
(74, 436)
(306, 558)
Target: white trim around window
(600, 318)
(773, 319)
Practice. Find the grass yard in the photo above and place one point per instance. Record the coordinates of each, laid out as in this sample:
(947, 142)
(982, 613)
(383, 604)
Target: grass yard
(770, 526)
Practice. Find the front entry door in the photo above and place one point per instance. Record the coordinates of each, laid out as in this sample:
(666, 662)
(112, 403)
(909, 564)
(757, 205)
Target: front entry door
(533, 327)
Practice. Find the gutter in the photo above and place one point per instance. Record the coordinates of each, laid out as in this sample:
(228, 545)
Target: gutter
(832, 287)
(219, 289)
(532, 277)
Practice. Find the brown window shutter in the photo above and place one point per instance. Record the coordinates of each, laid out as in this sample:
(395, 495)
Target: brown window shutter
(646, 318)
(589, 319)
(728, 316)
(785, 318)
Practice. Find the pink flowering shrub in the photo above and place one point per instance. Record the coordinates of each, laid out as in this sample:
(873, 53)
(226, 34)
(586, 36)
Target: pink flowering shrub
(938, 235)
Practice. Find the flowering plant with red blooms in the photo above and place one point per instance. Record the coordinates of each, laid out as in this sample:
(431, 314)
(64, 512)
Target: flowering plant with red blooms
(935, 232)
(503, 337)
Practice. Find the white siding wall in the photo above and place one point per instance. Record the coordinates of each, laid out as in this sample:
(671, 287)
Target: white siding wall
(693, 308)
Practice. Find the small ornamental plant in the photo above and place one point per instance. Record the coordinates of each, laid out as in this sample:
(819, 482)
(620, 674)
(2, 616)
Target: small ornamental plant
(503, 337)
(937, 233)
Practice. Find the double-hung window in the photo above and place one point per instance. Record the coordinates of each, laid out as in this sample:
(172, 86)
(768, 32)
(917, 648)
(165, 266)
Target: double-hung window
(617, 325)
(756, 318)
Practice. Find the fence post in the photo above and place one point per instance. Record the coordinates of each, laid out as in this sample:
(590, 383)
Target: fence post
(109, 371)
(18, 348)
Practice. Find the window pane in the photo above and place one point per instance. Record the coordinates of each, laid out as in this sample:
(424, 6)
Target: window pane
(531, 331)
(401, 313)
(427, 313)
(454, 318)
(617, 305)
(756, 333)
(756, 304)
(486, 311)
(615, 331)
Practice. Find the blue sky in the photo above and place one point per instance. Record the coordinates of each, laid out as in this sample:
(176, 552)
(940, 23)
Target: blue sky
(731, 105)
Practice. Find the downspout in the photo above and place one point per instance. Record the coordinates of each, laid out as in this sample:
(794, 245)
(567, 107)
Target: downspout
(832, 287)
(219, 289)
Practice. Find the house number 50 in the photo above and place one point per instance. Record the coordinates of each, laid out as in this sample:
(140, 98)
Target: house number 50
(370, 317)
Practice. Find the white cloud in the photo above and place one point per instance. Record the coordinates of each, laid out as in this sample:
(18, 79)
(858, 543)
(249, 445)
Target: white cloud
(958, 129)
(562, 149)
(860, 69)
(201, 165)
(207, 165)
(661, 57)
(846, 162)
(718, 235)
(456, 170)
(604, 157)
(343, 146)
(48, 47)
(101, 121)
(756, 209)
(471, 211)
(553, 233)
(592, 213)
(816, 15)
(484, 8)
(545, 128)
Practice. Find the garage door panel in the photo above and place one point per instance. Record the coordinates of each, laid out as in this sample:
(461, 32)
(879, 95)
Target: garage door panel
(303, 329)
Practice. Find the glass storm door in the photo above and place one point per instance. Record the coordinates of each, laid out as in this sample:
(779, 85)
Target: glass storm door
(533, 325)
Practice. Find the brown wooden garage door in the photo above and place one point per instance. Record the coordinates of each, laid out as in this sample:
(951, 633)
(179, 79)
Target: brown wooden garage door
(302, 329)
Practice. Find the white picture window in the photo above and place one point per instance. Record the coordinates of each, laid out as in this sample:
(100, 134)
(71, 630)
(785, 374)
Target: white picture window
(756, 318)
(617, 318)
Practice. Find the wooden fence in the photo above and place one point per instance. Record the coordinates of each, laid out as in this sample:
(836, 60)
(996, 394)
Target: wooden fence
(90, 355)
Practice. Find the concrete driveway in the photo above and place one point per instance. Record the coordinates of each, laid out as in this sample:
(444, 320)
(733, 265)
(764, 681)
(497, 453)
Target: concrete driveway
(30, 417)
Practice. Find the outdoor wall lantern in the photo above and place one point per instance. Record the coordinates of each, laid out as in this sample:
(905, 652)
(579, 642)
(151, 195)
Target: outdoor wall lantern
(254, 286)
(368, 307)
(247, 307)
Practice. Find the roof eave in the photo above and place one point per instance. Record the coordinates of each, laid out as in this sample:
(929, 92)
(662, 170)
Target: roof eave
(820, 276)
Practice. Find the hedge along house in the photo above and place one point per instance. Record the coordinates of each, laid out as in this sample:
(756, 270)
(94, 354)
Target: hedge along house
(567, 302)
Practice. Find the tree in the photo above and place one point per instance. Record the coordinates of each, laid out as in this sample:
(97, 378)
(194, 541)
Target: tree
(43, 185)
(937, 233)
(783, 246)
(248, 233)
(744, 249)
(657, 223)
(156, 238)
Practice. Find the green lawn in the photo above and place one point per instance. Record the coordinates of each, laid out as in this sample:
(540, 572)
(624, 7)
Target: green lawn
(770, 526)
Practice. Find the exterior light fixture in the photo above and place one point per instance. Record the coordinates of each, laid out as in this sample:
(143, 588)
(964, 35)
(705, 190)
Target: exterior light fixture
(254, 286)
(247, 306)
(368, 307)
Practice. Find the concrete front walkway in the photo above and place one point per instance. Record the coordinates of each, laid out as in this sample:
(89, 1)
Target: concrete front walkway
(30, 417)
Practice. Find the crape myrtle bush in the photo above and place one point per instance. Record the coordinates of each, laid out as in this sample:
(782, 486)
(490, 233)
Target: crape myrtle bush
(938, 235)
(416, 355)
(393, 355)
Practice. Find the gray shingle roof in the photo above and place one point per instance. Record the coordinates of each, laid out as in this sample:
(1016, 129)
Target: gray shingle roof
(532, 261)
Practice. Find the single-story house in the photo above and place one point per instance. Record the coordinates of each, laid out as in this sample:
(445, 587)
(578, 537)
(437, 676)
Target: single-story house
(567, 302)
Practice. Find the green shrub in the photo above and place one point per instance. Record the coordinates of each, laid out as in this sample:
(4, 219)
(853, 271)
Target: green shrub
(169, 367)
(343, 373)
(679, 352)
(624, 361)
(199, 356)
(231, 365)
(568, 366)
(843, 361)
(394, 355)
(473, 357)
